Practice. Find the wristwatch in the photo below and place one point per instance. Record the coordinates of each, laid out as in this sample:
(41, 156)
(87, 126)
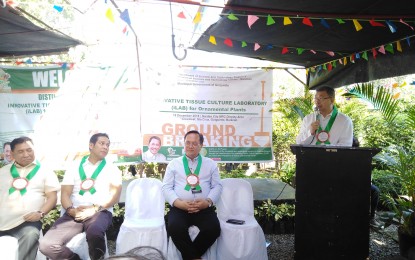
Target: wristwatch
(42, 214)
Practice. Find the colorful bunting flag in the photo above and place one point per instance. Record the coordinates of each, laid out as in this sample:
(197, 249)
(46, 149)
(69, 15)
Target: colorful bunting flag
(374, 52)
(181, 15)
(232, 17)
(256, 46)
(412, 28)
(212, 40)
(198, 18)
(330, 53)
(364, 56)
(109, 15)
(284, 50)
(340, 21)
(324, 66)
(125, 17)
(341, 61)
(269, 47)
(334, 64)
(344, 61)
(374, 23)
(391, 26)
(58, 8)
(287, 21)
(243, 44)
(382, 49)
(228, 42)
(300, 51)
(251, 20)
(408, 41)
(307, 21)
(389, 48)
(357, 56)
(324, 23)
(329, 67)
(357, 25)
(313, 51)
(398, 46)
(270, 20)
(396, 96)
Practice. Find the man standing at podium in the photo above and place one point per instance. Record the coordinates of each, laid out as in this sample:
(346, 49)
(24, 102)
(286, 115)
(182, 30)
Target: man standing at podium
(326, 126)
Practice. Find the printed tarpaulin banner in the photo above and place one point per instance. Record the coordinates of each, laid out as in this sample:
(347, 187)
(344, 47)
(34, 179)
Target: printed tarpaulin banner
(231, 110)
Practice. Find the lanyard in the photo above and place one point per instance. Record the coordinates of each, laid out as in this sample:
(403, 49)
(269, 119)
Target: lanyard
(328, 126)
(15, 175)
(188, 172)
(82, 174)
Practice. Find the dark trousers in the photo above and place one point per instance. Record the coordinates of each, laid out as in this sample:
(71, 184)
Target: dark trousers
(53, 244)
(374, 199)
(179, 222)
(27, 235)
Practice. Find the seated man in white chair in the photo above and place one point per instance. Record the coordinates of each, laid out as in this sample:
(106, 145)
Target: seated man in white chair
(191, 185)
(90, 189)
(28, 191)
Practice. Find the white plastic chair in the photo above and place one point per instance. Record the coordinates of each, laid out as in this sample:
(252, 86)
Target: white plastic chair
(174, 253)
(144, 217)
(9, 247)
(242, 242)
(79, 245)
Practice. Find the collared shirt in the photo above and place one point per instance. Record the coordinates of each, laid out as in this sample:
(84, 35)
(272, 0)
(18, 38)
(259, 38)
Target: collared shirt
(341, 133)
(110, 174)
(149, 157)
(14, 206)
(174, 181)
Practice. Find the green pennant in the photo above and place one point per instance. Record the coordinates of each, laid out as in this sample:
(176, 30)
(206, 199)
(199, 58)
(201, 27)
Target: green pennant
(389, 48)
(270, 20)
(340, 21)
(232, 17)
(364, 55)
(244, 44)
(334, 63)
(300, 51)
(324, 66)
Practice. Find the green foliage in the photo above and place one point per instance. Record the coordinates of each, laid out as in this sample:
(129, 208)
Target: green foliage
(286, 173)
(118, 211)
(49, 219)
(388, 185)
(60, 174)
(380, 97)
(284, 210)
(271, 211)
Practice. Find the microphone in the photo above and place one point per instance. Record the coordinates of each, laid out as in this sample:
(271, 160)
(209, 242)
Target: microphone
(315, 113)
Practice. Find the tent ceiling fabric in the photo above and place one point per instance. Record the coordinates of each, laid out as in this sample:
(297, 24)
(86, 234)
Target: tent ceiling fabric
(20, 37)
(341, 39)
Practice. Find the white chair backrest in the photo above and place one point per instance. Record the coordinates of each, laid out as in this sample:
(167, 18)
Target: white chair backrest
(144, 199)
(237, 199)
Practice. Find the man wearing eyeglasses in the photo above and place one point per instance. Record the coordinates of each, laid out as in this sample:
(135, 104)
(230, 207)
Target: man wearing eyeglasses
(191, 186)
(326, 126)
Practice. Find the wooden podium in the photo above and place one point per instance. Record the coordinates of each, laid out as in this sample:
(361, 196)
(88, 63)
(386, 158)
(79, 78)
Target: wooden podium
(332, 202)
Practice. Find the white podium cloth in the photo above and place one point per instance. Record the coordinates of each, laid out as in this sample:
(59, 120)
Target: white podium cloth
(242, 242)
(144, 217)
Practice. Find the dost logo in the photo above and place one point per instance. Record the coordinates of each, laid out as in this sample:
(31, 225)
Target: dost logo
(4, 82)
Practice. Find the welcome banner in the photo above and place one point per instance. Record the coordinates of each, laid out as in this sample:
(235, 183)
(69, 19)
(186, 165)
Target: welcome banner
(231, 110)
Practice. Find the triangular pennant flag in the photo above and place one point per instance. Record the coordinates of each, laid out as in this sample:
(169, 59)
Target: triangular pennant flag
(395, 85)
(58, 8)
(212, 40)
(228, 42)
(324, 66)
(28, 61)
(324, 23)
(391, 26)
(344, 61)
(374, 52)
(125, 29)
(181, 15)
(389, 48)
(256, 46)
(329, 67)
(313, 51)
(340, 21)
(232, 17)
(19, 62)
(270, 20)
(307, 21)
(364, 55)
(269, 47)
(341, 61)
(357, 56)
(251, 20)
(300, 51)
(109, 15)
(287, 21)
(374, 23)
(198, 18)
(64, 65)
(243, 44)
(412, 28)
(357, 25)
(284, 50)
(125, 17)
(382, 49)
(330, 53)
(408, 41)
(334, 64)
(398, 46)
(396, 96)
(352, 58)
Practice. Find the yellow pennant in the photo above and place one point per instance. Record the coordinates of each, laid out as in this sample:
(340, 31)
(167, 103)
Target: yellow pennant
(357, 25)
(109, 15)
(212, 40)
(287, 20)
(197, 18)
(398, 46)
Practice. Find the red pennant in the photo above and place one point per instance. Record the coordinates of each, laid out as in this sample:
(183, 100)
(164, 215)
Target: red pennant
(284, 50)
(307, 21)
(125, 29)
(374, 23)
(181, 15)
(228, 42)
(19, 62)
(329, 67)
(374, 52)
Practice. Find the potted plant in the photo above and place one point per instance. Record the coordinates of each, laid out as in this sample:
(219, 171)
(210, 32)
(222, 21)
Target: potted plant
(266, 216)
(401, 163)
(284, 219)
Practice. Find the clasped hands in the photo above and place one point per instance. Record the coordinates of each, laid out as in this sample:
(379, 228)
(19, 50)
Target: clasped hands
(191, 206)
(82, 213)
